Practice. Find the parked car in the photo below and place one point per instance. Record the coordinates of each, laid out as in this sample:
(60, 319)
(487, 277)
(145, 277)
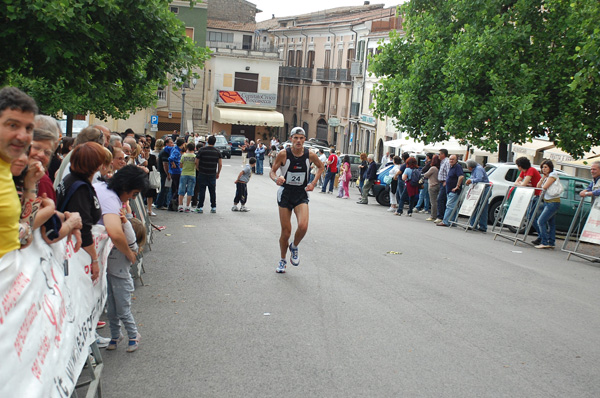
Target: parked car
(503, 175)
(381, 189)
(236, 142)
(318, 141)
(354, 163)
(223, 146)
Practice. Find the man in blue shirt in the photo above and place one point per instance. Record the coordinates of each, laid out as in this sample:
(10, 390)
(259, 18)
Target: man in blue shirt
(175, 169)
(453, 186)
(478, 175)
(594, 188)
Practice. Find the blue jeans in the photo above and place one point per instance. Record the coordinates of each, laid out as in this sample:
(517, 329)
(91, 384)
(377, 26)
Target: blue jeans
(547, 223)
(399, 192)
(164, 192)
(210, 182)
(450, 205)
(187, 185)
(259, 166)
(329, 178)
(423, 202)
(530, 214)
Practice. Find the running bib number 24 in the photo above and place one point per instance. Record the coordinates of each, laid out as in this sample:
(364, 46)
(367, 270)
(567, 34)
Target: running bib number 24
(295, 178)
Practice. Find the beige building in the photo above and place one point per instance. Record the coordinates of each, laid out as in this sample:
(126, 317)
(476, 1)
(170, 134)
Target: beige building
(322, 79)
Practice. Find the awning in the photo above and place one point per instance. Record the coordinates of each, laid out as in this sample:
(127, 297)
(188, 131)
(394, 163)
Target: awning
(559, 155)
(452, 146)
(249, 117)
(409, 145)
(532, 148)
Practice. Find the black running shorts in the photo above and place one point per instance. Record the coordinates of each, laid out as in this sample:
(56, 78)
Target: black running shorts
(290, 197)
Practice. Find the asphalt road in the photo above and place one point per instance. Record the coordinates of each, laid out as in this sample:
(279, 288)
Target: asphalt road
(380, 306)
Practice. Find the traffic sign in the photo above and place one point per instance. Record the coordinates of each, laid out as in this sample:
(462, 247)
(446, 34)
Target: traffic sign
(154, 119)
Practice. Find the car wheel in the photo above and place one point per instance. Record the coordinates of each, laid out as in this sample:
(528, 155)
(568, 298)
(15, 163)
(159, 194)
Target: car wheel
(494, 211)
(229, 156)
(384, 198)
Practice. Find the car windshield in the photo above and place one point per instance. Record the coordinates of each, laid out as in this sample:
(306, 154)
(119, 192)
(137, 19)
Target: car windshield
(221, 140)
(237, 140)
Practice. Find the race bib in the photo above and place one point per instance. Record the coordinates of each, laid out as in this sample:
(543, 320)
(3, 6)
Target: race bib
(295, 178)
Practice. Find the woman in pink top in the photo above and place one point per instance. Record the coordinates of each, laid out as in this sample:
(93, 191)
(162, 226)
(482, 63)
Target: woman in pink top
(346, 176)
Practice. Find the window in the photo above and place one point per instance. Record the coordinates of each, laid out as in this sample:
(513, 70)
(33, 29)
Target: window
(247, 82)
(174, 10)
(340, 56)
(189, 32)
(312, 39)
(350, 58)
(310, 61)
(327, 62)
(291, 54)
(299, 58)
(328, 38)
(220, 37)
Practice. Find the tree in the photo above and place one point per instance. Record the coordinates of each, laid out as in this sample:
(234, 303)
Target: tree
(103, 56)
(494, 71)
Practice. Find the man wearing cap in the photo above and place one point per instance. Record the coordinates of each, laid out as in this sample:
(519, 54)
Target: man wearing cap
(292, 195)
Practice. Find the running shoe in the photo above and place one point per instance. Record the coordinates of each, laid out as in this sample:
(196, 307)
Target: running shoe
(294, 257)
(199, 210)
(244, 209)
(281, 267)
(213, 209)
(235, 208)
(102, 342)
(112, 344)
(134, 344)
(180, 209)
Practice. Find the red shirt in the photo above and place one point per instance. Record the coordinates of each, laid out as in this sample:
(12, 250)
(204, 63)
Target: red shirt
(535, 178)
(45, 186)
(334, 162)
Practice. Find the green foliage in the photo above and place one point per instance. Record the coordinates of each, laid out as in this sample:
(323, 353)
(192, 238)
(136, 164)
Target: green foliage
(492, 71)
(103, 56)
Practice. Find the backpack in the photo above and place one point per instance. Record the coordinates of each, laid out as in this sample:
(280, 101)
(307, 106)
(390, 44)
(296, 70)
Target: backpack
(415, 177)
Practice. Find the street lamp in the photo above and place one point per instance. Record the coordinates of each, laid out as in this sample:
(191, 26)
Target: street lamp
(191, 86)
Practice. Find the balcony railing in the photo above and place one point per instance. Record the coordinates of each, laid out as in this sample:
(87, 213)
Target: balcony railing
(295, 72)
(356, 68)
(333, 75)
(161, 94)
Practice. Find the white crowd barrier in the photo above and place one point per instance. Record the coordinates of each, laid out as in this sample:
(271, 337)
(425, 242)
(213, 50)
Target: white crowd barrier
(49, 308)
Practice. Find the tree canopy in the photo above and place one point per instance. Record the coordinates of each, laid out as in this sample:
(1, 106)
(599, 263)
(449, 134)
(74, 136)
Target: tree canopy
(107, 57)
(494, 71)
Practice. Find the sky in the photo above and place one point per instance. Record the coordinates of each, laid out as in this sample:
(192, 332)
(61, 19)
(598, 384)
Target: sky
(283, 8)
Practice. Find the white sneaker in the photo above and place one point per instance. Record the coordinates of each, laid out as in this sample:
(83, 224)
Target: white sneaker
(391, 209)
(281, 267)
(235, 208)
(244, 208)
(102, 342)
(294, 257)
(180, 209)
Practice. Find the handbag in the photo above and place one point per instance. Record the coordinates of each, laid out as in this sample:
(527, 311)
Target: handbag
(556, 189)
(154, 177)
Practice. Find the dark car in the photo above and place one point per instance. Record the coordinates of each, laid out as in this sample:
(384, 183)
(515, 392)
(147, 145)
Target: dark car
(236, 142)
(223, 146)
(318, 141)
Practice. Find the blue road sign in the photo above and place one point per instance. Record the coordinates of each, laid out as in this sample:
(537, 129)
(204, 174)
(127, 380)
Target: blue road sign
(153, 119)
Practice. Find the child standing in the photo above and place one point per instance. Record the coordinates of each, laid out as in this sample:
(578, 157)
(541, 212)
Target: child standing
(187, 183)
(241, 189)
(120, 286)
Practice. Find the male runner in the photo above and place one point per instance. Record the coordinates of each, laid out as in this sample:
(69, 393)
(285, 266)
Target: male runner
(292, 195)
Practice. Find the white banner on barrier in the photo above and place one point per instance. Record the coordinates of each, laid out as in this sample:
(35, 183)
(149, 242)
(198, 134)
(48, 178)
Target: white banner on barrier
(591, 230)
(48, 320)
(472, 196)
(518, 206)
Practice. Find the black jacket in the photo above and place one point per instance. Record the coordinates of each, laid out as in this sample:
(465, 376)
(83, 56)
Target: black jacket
(372, 171)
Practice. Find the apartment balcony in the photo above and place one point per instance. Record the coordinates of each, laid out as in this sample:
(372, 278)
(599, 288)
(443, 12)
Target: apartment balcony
(295, 72)
(326, 75)
(343, 75)
(356, 69)
(354, 109)
(333, 75)
(162, 98)
(321, 108)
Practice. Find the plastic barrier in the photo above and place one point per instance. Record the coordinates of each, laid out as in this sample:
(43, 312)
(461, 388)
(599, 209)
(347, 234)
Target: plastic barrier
(517, 215)
(590, 233)
(472, 204)
(49, 308)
